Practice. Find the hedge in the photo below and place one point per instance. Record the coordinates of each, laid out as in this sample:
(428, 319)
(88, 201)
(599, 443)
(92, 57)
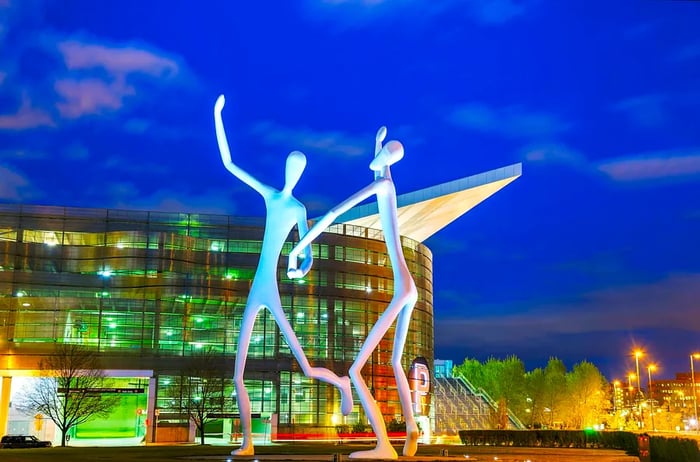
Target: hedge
(662, 449)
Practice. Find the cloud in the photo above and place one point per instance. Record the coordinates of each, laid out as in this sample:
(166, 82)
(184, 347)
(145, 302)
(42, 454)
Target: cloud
(644, 110)
(26, 117)
(22, 154)
(495, 11)
(116, 60)
(357, 13)
(331, 142)
(12, 185)
(128, 196)
(640, 168)
(689, 52)
(670, 303)
(652, 166)
(554, 153)
(512, 121)
(101, 77)
(90, 96)
(76, 151)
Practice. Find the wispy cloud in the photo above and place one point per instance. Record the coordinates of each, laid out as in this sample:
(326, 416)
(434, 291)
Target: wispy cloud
(652, 166)
(128, 196)
(99, 76)
(22, 154)
(359, 12)
(644, 110)
(554, 153)
(329, 142)
(670, 303)
(688, 52)
(638, 168)
(116, 60)
(76, 151)
(512, 121)
(12, 185)
(496, 11)
(90, 96)
(26, 117)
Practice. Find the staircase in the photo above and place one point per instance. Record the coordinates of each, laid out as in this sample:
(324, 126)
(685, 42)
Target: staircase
(458, 405)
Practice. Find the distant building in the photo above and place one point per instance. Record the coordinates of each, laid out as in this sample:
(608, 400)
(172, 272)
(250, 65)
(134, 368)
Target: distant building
(677, 394)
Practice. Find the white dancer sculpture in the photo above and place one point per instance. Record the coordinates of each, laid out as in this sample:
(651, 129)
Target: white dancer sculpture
(400, 308)
(284, 211)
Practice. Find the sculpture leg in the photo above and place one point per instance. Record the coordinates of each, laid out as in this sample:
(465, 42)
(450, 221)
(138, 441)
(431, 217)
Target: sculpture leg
(320, 373)
(383, 450)
(242, 397)
(402, 324)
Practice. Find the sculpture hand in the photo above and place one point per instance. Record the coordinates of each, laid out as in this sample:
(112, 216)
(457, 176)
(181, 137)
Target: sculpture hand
(297, 273)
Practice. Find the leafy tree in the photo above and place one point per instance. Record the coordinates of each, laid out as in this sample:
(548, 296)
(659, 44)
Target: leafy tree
(512, 385)
(587, 395)
(201, 388)
(535, 385)
(67, 392)
(473, 371)
(555, 392)
(503, 380)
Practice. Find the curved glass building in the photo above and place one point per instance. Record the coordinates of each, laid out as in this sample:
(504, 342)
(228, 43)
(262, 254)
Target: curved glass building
(147, 289)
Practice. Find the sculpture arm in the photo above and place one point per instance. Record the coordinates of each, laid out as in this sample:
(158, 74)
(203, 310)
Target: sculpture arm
(318, 227)
(306, 252)
(226, 153)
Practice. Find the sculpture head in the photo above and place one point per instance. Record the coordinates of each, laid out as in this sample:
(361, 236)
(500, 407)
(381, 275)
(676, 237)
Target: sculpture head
(296, 163)
(390, 153)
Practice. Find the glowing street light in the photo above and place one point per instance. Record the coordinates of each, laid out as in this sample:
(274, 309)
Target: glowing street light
(631, 376)
(651, 367)
(695, 393)
(638, 354)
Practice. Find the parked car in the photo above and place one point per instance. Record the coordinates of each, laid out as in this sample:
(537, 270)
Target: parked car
(23, 441)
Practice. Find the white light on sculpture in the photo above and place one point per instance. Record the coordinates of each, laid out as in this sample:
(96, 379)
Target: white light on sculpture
(284, 212)
(399, 309)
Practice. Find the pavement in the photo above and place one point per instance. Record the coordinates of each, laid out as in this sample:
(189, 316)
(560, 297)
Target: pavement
(464, 453)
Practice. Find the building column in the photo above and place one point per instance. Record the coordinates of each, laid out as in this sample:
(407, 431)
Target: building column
(151, 411)
(5, 389)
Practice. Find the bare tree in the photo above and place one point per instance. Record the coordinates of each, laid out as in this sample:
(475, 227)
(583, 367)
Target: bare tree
(69, 392)
(201, 386)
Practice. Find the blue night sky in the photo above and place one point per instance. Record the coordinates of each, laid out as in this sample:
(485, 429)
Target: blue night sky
(593, 251)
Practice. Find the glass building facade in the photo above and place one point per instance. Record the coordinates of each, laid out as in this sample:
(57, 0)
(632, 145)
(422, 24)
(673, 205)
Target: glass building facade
(146, 289)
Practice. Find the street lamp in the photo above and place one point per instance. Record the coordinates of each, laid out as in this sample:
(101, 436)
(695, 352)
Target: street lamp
(638, 354)
(651, 367)
(695, 393)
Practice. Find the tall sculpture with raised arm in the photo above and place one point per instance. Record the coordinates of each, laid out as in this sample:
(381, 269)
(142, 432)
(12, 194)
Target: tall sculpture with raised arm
(284, 211)
(399, 309)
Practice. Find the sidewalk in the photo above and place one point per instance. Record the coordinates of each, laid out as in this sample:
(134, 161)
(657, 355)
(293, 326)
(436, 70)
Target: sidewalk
(456, 453)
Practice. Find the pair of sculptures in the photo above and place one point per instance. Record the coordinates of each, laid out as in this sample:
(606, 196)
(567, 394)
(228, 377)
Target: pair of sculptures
(284, 211)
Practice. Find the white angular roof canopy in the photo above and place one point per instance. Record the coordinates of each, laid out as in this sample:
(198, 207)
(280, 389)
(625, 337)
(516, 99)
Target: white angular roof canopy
(424, 212)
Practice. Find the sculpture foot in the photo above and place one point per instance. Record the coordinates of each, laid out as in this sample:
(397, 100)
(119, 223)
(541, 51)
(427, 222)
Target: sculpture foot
(346, 403)
(411, 446)
(380, 452)
(245, 450)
